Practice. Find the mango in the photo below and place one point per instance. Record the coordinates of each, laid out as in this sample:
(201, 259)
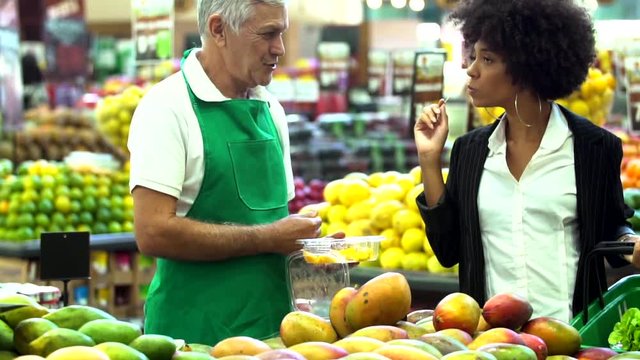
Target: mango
(191, 355)
(338, 309)
(274, 342)
(420, 345)
(15, 298)
(7, 355)
(507, 310)
(155, 347)
(238, 357)
(382, 332)
(6, 336)
(595, 353)
(74, 316)
(624, 356)
(280, 354)
(401, 352)
(483, 325)
(201, 348)
(567, 357)
(107, 330)
(457, 334)
(29, 330)
(457, 310)
(444, 343)
(365, 356)
(239, 345)
(383, 300)
(301, 326)
(418, 315)
(316, 350)
(59, 338)
(78, 353)
(509, 351)
(468, 355)
(15, 316)
(413, 331)
(29, 357)
(355, 344)
(560, 337)
(496, 335)
(427, 324)
(536, 344)
(120, 351)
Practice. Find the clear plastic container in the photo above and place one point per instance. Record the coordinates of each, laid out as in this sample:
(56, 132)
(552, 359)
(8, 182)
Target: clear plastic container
(348, 250)
(311, 287)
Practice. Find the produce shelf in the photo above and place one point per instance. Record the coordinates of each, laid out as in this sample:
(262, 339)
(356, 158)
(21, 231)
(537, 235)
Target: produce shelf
(418, 280)
(107, 242)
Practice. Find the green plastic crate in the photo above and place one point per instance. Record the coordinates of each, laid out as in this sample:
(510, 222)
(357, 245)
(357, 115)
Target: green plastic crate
(622, 295)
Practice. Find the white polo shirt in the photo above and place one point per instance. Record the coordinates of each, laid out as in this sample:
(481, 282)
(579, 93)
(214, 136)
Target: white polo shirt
(165, 141)
(530, 227)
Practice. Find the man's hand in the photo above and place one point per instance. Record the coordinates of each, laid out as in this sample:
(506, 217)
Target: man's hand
(287, 231)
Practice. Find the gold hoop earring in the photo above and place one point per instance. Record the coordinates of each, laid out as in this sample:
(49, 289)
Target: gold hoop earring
(515, 103)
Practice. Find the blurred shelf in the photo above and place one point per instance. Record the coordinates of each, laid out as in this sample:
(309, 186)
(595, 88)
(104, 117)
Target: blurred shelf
(107, 242)
(418, 280)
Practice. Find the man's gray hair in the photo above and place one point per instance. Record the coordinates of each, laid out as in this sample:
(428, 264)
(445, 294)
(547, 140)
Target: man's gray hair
(233, 12)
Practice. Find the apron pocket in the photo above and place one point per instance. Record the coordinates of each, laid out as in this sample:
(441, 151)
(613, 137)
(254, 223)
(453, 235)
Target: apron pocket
(259, 173)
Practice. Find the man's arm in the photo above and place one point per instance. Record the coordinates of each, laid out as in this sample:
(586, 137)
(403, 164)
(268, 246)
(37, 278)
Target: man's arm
(161, 233)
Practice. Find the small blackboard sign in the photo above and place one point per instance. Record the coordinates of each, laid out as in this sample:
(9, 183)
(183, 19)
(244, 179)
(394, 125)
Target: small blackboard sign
(64, 255)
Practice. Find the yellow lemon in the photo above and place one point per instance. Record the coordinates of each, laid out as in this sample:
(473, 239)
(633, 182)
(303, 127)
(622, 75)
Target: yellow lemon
(390, 177)
(360, 227)
(323, 229)
(391, 239)
(406, 219)
(412, 240)
(426, 246)
(335, 227)
(353, 191)
(410, 198)
(599, 85)
(359, 210)
(391, 258)
(387, 192)
(415, 261)
(406, 182)
(375, 179)
(416, 173)
(445, 174)
(434, 266)
(382, 214)
(331, 191)
(336, 213)
(321, 209)
(595, 103)
(610, 80)
(594, 73)
(579, 107)
(357, 176)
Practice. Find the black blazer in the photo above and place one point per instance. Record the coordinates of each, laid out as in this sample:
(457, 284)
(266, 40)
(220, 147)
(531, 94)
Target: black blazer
(453, 226)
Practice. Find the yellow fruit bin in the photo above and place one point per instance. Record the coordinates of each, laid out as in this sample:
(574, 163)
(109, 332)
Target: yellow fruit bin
(348, 250)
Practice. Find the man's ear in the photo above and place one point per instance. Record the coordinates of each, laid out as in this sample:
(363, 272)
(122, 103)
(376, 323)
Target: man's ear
(216, 29)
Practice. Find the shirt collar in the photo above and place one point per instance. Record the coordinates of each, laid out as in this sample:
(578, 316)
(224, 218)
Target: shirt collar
(554, 136)
(202, 86)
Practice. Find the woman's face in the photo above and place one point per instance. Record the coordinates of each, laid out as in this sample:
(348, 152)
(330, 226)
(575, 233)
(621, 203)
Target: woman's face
(489, 84)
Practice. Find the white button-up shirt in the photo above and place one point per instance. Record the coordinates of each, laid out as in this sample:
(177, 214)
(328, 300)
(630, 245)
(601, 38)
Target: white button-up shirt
(529, 227)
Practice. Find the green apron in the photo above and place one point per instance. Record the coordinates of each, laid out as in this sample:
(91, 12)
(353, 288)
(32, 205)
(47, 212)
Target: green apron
(244, 183)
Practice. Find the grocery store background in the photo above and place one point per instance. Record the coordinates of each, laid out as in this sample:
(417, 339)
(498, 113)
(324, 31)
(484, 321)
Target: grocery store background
(354, 74)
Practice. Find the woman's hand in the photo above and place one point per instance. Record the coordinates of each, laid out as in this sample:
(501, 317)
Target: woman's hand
(431, 130)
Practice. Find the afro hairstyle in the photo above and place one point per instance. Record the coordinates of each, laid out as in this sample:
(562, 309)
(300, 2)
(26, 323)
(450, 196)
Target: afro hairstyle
(547, 45)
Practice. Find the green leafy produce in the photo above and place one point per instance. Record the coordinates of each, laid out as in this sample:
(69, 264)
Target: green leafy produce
(626, 333)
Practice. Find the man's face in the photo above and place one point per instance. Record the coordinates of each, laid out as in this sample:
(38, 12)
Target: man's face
(251, 55)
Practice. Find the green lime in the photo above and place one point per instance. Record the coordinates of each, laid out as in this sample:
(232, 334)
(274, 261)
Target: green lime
(45, 206)
(76, 206)
(47, 194)
(48, 181)
(58, 219)
(99, 228)
(75, 194)
(86, 217)
(28, 207)
(115, 227)
(73, 219)
(42, 220)
(103, 214)
(89, 203)
(75, 180)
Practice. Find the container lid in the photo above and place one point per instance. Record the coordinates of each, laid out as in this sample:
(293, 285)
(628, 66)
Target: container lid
(311, 287)
(328, 243)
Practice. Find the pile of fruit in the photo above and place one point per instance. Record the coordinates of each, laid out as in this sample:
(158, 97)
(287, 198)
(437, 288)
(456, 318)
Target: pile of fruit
(74, 332)
(114, 114)
(54, 134)
(375, 322)
(49, 196)
(382, 203)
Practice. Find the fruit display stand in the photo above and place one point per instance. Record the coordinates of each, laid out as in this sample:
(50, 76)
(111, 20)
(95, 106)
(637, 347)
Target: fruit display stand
(114, 286)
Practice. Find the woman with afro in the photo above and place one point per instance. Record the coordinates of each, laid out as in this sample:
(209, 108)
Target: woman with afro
(530, 195)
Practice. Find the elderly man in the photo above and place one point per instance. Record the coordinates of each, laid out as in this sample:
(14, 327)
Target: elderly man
(211, 177)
